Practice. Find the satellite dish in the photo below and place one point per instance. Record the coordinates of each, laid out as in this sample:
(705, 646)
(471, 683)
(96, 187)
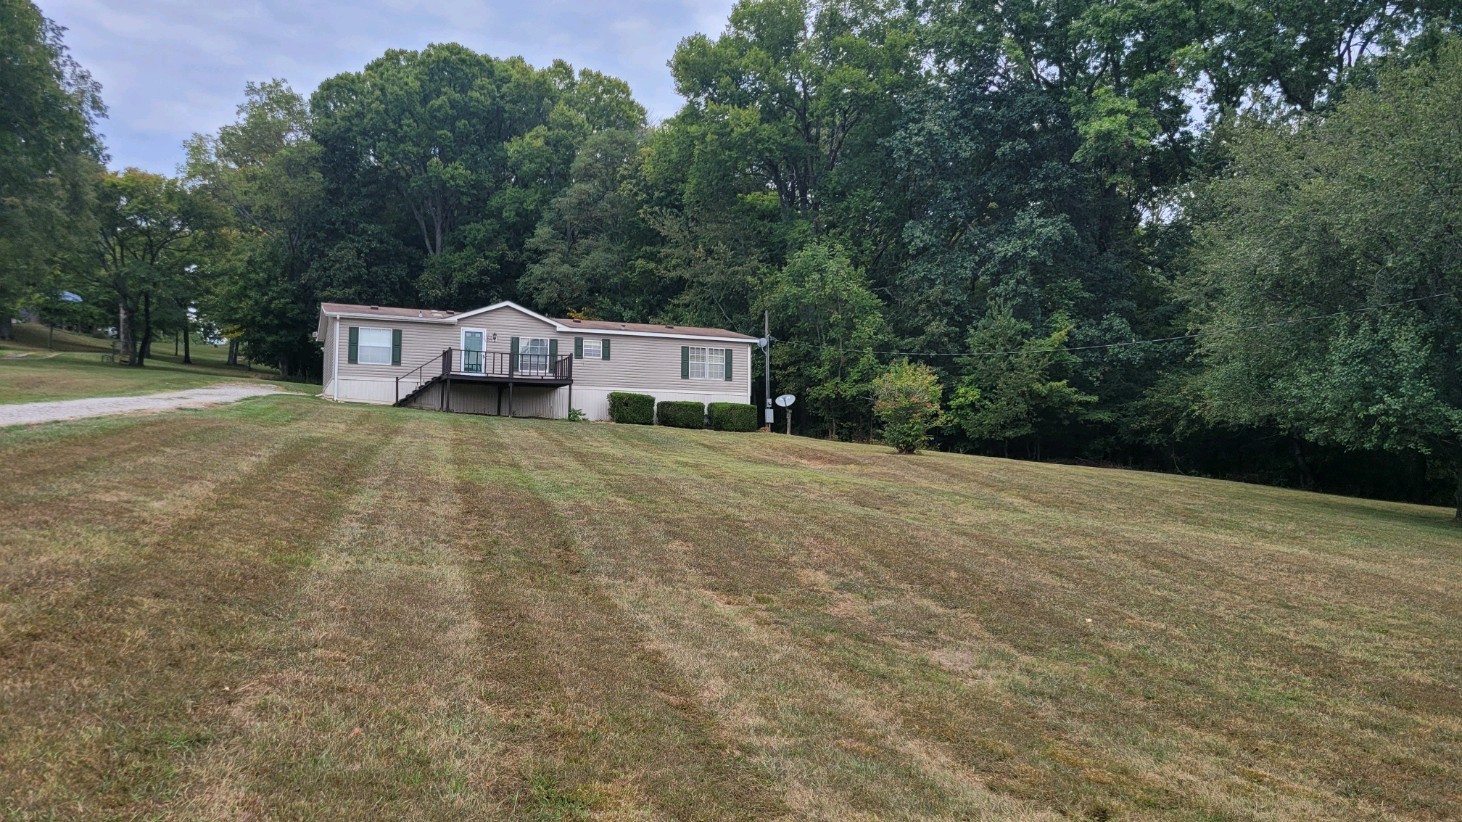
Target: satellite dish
(785, 401)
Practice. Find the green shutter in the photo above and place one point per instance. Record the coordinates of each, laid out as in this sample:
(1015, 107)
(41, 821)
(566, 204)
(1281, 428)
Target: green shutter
(552, 351)
(685, 362)
(513, 356)
(604, 349)
(395, 346)
(354, 350)
(728, 363)
(578, 348)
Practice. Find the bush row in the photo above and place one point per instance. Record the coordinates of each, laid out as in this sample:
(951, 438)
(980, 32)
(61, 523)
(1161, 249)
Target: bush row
(641, 409)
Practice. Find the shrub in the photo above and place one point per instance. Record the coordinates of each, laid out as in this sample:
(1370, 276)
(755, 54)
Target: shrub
(681, 414)
(732, 416)
(906, 400)
(634, 409)
(577, 415)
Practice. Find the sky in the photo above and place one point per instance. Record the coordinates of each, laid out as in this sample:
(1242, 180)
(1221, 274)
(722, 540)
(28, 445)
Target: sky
(170, 68)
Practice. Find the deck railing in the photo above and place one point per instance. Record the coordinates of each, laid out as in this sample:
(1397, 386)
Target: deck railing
(520, 365)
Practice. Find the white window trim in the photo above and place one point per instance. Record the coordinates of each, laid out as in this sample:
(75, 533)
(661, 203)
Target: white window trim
(707, 358)
(539, 361)
(361, 347)
(597, 352)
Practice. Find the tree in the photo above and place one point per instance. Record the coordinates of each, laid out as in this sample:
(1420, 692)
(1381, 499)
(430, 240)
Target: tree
(906, 402)
(1009, 385)
(594, 249)
(49, 152)
(149, 233)
(455, 155)
(1328, 270)
(269, 275)
(834, 328)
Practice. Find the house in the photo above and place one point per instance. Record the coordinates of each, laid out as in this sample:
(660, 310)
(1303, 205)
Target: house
(505, 359)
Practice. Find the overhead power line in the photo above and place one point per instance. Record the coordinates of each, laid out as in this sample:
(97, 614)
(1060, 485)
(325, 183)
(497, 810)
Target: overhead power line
(1177, 338)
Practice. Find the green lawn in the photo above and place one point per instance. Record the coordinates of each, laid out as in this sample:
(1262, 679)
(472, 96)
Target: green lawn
(32, 372)
(289, 608)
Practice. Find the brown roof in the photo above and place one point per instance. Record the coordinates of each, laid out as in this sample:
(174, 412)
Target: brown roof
(387, 311)
(609, 325)
(588, 325)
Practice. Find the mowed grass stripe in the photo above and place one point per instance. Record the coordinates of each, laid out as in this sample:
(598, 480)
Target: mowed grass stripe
(371, 701)
(115, 684)
(601, 723)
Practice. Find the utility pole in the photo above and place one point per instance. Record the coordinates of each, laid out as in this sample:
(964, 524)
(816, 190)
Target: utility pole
(766, 350)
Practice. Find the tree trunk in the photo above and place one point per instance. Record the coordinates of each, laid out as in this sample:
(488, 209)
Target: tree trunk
(1307, 477)
(124, 330)
(6, 331)
(145, 350)
(233, 352)
(1457, 517)
(187, 350)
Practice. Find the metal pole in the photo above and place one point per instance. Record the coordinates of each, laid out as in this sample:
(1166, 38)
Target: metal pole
(767, 360)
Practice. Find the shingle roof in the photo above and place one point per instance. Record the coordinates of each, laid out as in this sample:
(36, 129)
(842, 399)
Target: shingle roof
(587, 325)
(608, 325)
(387, 311)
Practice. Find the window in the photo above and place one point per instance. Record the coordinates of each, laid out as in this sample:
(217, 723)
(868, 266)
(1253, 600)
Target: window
(707, 363)
(592, 350)
(533, 355)
(374, 347)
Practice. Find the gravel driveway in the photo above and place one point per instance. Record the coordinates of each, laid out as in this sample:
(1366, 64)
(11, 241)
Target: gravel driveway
(27, 413)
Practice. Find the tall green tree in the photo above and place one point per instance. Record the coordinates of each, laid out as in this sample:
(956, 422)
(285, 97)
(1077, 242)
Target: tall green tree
(49, 152)
(834, 332)
(263, 171)
(456, 155)
(1329, 273)
(1013, 384)
(151, 232)
(594, 250)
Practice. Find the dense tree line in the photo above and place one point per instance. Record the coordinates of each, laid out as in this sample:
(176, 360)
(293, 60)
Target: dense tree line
(1217, 238)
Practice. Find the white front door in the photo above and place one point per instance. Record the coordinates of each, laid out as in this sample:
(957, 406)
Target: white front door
(472, 348)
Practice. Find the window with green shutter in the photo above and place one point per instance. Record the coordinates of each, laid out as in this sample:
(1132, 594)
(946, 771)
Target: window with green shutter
(578, 348)
(374, 346)
(697, 363)
(396, 346)
(353, 351)
(604, 348)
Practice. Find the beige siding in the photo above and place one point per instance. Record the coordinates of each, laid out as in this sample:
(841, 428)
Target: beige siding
(653, 363)
(648, 365)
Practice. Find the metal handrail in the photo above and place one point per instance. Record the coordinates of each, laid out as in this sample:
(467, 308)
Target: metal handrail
(445, 359)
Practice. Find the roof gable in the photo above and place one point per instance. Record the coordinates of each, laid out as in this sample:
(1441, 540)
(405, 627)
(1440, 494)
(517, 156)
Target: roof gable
(508, 304)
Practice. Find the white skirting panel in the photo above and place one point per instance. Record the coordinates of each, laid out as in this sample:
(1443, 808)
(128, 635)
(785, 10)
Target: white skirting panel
(594, 401)
(368, 390)
(528, 401)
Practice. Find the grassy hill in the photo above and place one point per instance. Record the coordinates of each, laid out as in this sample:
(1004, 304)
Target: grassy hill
(38, 367)
(291, 608)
